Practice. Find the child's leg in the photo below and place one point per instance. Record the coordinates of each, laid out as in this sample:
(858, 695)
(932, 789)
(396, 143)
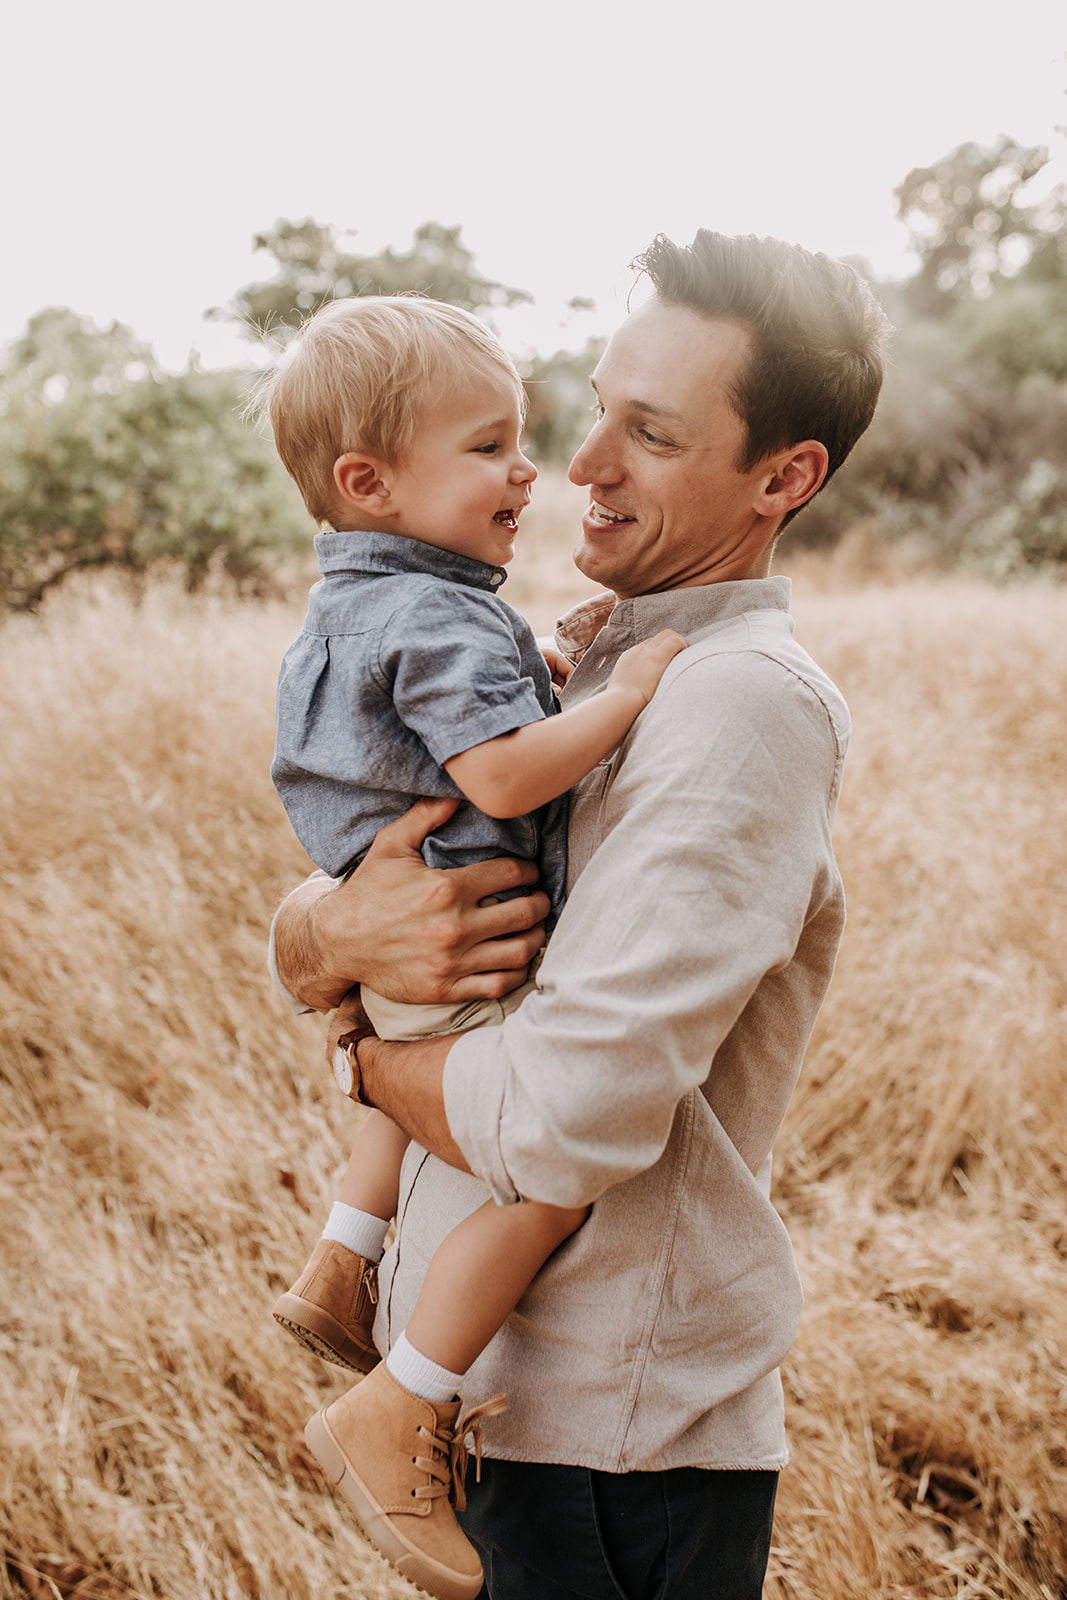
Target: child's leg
(477, 1276)
(388, 1444)
(322, 1309)
(372, 1178)
(330, 1308)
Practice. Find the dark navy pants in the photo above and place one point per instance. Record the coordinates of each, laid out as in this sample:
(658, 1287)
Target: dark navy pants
(560, 1533)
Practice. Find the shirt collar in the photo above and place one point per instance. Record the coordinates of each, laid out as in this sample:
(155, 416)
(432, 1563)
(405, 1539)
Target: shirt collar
(690, 611)
(367, 554)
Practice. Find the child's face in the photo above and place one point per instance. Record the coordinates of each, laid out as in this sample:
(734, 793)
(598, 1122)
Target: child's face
(465, 480)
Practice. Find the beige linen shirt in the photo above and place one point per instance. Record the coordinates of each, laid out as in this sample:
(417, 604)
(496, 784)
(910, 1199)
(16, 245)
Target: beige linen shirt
(650, 1071)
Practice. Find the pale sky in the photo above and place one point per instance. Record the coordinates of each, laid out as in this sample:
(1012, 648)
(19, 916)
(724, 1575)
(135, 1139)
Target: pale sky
(145, 145)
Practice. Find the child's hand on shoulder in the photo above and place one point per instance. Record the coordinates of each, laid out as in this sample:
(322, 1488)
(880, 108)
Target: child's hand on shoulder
(642, 666)
(558, 666)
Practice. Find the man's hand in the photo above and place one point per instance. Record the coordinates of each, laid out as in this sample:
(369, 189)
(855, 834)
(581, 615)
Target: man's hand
(409, 931)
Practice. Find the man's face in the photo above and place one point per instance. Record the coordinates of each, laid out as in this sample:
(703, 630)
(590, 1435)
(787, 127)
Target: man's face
(670, 509)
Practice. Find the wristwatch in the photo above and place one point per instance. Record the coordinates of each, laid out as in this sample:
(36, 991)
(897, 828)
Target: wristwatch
(346, 1062)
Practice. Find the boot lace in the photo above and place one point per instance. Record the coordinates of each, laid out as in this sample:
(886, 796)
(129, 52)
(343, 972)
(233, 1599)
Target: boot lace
(446, 1463)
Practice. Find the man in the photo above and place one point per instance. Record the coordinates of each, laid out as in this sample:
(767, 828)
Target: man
(649, 1073)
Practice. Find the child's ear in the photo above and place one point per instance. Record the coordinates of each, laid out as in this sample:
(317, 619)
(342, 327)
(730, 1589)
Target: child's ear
(361, 482)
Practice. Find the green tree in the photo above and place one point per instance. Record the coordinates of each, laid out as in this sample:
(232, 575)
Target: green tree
(312, 267)
(560, 401)
(1020, 330)
(967, 455)
(107, 461)
(973, 227)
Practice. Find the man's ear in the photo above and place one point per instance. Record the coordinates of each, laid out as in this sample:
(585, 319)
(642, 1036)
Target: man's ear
(362, 482)
(792, 477)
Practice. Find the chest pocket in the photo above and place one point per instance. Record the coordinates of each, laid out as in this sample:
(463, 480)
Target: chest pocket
(587, 820)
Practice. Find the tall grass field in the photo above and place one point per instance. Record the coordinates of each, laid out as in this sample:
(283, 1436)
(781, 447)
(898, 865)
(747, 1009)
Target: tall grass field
(171, 1140)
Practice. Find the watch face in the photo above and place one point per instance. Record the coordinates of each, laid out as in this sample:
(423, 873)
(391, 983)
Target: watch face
(342, 1070)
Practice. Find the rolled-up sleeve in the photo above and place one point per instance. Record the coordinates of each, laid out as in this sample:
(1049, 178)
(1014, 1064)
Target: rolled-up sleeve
(711, 861)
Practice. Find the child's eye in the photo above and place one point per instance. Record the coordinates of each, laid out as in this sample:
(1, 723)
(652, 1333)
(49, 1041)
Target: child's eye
(486, 449)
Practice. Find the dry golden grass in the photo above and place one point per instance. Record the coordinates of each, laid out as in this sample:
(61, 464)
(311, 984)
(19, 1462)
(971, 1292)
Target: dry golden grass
(170, 1141)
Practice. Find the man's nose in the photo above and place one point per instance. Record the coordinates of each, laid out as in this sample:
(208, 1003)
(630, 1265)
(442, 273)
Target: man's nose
(591, 463)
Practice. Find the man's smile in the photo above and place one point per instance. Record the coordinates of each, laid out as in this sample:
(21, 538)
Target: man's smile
(599, 513)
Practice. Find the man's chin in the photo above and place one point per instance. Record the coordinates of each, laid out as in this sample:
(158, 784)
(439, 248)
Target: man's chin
(596, 565)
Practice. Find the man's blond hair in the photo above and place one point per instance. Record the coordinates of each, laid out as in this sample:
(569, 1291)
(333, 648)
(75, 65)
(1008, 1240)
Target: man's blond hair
(359, 376)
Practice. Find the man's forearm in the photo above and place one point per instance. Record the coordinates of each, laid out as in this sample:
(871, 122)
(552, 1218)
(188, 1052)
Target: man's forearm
(406, 1082)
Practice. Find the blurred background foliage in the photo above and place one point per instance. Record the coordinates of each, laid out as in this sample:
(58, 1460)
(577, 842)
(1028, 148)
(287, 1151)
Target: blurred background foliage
(107, 460)
(967, 456)
(311, 267)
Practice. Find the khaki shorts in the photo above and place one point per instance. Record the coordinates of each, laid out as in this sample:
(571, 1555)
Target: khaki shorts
(393, 1019)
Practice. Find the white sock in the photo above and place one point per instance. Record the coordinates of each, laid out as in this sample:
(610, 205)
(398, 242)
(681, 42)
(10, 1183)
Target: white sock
(421, 1375)
(356, 1230)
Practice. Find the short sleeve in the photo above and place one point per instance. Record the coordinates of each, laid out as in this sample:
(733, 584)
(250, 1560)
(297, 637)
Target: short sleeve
(460, 669)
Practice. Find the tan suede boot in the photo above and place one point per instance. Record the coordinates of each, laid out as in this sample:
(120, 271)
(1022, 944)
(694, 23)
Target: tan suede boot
(398, 1463)
(331, 1307)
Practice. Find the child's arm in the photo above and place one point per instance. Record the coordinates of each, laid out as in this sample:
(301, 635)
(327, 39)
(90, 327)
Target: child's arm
(526, 768)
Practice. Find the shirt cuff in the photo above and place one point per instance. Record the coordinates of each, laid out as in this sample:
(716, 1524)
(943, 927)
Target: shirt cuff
(291, 1000)
(474, 1095)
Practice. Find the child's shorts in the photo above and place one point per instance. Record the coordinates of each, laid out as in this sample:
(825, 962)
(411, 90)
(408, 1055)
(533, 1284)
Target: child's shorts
(393, 1019)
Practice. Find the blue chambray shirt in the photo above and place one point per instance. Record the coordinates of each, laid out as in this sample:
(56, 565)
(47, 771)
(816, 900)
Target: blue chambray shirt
(407, 657)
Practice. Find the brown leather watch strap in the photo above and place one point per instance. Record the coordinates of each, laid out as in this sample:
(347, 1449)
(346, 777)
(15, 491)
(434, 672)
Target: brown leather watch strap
(346, 1062)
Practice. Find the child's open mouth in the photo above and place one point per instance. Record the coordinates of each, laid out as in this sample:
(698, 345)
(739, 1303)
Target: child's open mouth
(507, 519)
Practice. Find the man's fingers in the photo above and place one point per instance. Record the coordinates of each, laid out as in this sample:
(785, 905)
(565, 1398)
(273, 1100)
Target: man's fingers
(498, 956)
(404, 837)
(510, 957)
(522, 915)
(485, 879)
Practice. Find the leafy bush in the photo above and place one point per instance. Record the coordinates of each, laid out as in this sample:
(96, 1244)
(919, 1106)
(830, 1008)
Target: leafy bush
(560, 402)
(107, 461)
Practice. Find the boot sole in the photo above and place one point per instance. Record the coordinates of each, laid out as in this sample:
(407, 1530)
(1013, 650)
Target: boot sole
(413, 1564)
(322, 1334)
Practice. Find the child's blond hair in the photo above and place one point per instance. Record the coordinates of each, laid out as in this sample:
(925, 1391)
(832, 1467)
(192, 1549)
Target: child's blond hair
(358, 377)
